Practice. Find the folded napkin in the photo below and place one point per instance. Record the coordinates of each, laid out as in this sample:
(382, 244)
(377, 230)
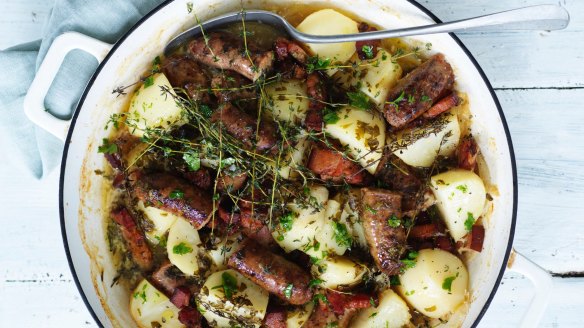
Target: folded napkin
(25, 145)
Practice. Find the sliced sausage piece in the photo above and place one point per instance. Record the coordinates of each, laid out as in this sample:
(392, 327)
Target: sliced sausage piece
(200, 178)
(228, 86)
(330, 165)
(175, 195)
(167, 278)
(134, 237)
(414, 94)
(275, 317)
(272, 272)
(386, 243)
(467, 153)
(224, 51)
(396, 174)
(184, 72)
(242, 126)
(190, 317)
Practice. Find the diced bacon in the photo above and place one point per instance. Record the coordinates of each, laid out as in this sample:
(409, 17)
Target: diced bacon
(181, 297)
(443, 105)
(134, 238)
(476, 238)
(467, 153)
(423, 231)
(190, 317)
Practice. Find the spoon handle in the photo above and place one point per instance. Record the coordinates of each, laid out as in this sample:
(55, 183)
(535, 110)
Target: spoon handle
(541, 17)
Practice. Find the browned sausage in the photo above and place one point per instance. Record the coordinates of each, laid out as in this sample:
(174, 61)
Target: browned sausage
(414, 94)
(134, 238)
(227, 52)
(272, 272)
(243, 126)
(183, 72)
(386, 243)
(172, 194)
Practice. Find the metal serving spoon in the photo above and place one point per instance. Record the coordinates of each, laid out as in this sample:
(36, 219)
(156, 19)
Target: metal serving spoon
(541, 17)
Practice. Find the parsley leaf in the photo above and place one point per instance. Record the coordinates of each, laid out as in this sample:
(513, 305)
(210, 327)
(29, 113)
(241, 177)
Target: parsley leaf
(315, 63)
(149, 81)
(229, 284)
(370, 209)
(469, 222)
(192, 159)
(286, 221)
(314, 283)
(181, 249)
(107, 147)
(368, 51)
(463, 188)
(410, 260)
(206, 111)
(320, 297)
(396, 101)
(176, 194)
(341, 234)
(394, 221)
(288, 291)
(330, 116)
(359, 100)
(447, 283)
(394, 281)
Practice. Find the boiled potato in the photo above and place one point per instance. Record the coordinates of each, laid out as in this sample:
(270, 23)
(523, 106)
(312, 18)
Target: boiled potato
(185, 249)
(330, 22)
(150, 307)
(460, 197)
(247, 304)
(373, 77)
(437, 285)
(297, 317)
(352, 218)
(161, 220)
(306, 220)
(328, 232)
(424, 151)
(150, 107)
(223, 250)
(364, 134)
(287, 100)
(338, 272)
(296, 158)
(392, 312)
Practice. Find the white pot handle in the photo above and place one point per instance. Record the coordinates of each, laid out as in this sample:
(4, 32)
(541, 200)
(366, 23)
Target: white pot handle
(34, 100)
(542, 282)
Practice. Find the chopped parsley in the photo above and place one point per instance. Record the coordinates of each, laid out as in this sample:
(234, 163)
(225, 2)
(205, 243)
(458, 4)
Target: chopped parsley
(330, 116)
(370, 209)
(359, 100)
(410, 260)
(206, 111)
(320, 297)
(176, 194)
(149, 81)
(463, 188)
(394, 221)
(447, 283)
(368, 51)
(316, 63)
(314, 283)
(192, 159)
(286, 221)
(288, 291)
(182, 249)
(107, 147)
(469, 222)
(342, 236)
(229, 284)
(394, 281)
(141, 294)
(425, 98)
(396, 101)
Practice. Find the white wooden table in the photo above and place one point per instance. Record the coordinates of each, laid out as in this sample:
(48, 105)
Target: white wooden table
(539, 79)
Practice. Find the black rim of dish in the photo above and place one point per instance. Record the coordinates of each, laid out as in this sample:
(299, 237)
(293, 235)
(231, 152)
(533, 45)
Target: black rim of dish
(162, 5)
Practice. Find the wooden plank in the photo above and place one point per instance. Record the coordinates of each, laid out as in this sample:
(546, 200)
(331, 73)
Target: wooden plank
(515, 293)
(523, 59)
(22, 21)
(548, 139)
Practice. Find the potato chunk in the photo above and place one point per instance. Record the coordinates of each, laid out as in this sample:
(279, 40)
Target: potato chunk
(246, 303)
(287, 100)
(150, 307)
(392, 312)
(161, 220)
(437, 285)
(374, 77)
(338, 272)
(297, 317)
(424, 151)
(330, 22)
(185, 249)
(150, 107)
(460, 196)
(364, 134)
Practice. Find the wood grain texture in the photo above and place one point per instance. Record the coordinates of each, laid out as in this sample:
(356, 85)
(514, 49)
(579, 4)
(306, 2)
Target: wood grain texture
(36, 285)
